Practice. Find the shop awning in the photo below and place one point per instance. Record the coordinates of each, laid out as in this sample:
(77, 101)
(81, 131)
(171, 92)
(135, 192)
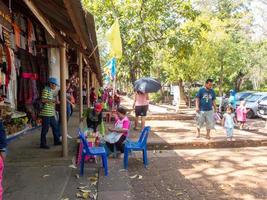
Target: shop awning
(72, 23)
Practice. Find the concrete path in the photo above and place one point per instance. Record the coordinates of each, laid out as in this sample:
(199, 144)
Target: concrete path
(223, 174)
(172, 130)
(32, 173)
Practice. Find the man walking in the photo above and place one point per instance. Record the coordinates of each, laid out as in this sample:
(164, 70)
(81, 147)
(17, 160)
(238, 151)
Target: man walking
(205, 100)
(48, 113)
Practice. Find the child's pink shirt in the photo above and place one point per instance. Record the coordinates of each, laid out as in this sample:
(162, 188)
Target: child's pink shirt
(241, 113)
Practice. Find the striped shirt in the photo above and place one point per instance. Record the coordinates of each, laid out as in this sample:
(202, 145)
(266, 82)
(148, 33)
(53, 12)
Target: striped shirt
(48, 109)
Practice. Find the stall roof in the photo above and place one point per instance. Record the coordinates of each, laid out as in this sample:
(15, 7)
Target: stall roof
(72, 23)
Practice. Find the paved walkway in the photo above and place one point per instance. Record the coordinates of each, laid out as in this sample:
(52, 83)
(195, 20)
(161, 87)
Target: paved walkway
(236, 174)
(32, 173)
(172, 130)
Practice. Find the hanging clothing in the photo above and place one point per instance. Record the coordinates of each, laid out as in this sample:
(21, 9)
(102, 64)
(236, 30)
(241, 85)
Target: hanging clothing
(17, 34)
(31, 38)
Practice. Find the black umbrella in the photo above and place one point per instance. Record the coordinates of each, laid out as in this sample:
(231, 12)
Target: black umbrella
(147, 85)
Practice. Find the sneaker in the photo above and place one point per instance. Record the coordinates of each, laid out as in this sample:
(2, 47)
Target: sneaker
(58, 143)
(44, 146)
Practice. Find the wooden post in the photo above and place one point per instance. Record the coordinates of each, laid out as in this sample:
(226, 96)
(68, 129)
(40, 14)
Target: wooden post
(88, 89)
(63, 103)
(81, 84)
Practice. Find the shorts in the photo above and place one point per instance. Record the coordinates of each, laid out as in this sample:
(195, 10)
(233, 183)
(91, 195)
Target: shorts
(141, 110)
(205, 117)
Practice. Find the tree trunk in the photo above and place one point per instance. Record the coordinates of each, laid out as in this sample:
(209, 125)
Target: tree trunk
(221, 80)
(183, 98)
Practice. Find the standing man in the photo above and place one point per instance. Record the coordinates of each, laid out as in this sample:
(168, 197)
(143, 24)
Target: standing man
(48, 113)
(205, 100)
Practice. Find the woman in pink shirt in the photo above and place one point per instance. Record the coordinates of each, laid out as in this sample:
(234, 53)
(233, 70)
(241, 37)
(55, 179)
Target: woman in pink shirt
(120, 131)
(141, 106)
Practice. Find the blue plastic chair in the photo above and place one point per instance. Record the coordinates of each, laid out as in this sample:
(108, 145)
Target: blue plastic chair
(140, 145)
(92, 151)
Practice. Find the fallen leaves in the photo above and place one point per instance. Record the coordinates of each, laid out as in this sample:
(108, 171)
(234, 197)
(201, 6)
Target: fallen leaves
(93, 178)
(134, 176)
(46, 175)
(72, 166)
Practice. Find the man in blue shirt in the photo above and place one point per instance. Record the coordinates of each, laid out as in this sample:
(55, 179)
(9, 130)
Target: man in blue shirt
(205, 101)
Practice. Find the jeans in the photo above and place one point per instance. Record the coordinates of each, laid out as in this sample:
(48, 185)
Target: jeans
(49, 121)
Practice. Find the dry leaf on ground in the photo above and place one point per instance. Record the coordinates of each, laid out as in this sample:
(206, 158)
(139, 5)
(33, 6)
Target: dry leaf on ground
(140, 177)
(73, 166)
(93, 178)
(134, 176)
(46, 175)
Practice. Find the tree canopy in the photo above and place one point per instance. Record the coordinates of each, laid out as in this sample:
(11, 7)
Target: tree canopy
(185, 41)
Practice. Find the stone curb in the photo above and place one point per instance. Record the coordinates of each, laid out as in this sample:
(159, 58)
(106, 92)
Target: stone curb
(207, 145)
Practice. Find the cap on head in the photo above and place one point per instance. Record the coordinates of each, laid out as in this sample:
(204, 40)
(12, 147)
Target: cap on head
(98, 107)
(53, 80)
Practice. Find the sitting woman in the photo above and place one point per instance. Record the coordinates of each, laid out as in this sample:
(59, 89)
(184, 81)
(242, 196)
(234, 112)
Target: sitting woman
(119, 132)
(94, 116)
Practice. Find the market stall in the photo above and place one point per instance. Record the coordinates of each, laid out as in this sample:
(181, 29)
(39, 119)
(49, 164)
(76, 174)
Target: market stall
(23, 67)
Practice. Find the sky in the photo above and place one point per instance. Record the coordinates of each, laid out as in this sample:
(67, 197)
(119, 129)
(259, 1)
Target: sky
(259, 10)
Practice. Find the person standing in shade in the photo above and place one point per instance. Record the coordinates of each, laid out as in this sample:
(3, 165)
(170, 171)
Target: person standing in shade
(48, 113)
(69, 105)
(141, 106)
(205, 101)
(93, 97)
(232, 99)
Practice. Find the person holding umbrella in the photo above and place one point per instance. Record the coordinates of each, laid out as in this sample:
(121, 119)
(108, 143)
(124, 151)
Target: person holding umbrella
(143, 86)
(140, 106)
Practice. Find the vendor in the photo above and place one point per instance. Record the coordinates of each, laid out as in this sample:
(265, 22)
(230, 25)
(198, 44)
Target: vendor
(121, 129)
(93, 116)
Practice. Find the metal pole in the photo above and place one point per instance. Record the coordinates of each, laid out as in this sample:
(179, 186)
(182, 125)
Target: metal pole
(81, 84)
(63, 103)
(88, 89)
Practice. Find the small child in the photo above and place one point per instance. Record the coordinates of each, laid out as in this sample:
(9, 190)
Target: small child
(241, 113)
(228, 122)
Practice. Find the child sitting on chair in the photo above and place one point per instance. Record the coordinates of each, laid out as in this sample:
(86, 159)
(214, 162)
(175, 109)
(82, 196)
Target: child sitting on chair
(119, 132)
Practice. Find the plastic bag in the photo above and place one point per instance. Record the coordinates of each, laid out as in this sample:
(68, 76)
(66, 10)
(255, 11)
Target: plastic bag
(112, 137)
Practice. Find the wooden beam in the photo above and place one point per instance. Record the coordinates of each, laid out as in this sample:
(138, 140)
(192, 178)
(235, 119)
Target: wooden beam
(81, 84)
(40, 17)
(48, 46)
(88, 89)
(63, 99)
(76, 22)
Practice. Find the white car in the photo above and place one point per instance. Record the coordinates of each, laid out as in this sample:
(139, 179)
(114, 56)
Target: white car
(253, 101)
(262, 109)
